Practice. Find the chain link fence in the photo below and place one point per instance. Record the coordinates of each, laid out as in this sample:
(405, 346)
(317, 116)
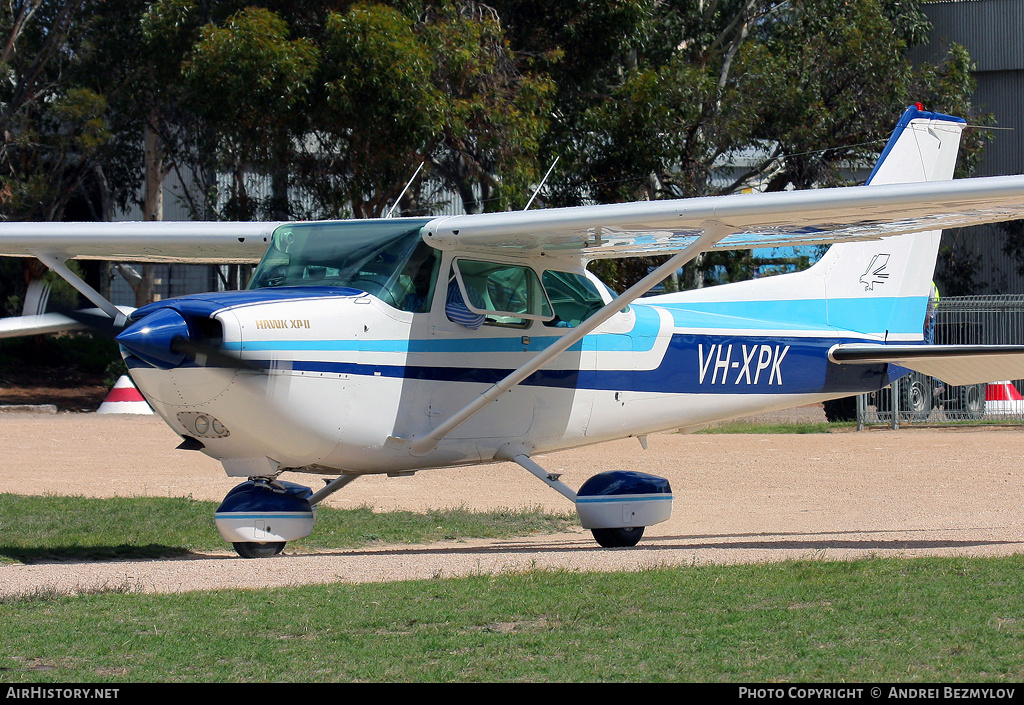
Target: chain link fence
(917, 398)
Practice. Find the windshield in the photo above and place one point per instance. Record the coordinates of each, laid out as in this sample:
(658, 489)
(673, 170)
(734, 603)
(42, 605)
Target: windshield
(386, 258)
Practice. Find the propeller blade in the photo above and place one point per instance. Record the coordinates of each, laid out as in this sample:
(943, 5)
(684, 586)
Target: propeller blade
(206, 355)
(180, 347)
(94, 320)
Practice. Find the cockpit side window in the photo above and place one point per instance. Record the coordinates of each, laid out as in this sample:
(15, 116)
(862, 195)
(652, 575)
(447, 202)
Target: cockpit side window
(418, 279)
(507, 294)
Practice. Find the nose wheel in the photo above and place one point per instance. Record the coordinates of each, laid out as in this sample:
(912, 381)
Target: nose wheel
(251, 549)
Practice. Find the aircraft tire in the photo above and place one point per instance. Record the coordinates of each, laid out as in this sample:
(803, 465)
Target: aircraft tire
(968, 403)
(915, 397)
(844, 409)
(248, 549)
(618, 538)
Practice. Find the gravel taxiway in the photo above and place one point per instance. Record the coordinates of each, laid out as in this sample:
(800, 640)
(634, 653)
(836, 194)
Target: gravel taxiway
(738, 498)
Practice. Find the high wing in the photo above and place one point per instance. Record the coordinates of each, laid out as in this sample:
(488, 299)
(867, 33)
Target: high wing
(40, 324)
(816, 216)
(741, 221)
(127, 241)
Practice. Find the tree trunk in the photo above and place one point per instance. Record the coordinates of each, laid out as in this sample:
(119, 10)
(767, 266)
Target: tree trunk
(152, 207)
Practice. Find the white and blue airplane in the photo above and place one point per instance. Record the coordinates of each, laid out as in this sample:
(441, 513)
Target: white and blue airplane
(399, 345)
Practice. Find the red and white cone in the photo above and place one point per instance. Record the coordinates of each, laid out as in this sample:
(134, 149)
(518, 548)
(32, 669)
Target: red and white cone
(124, 398)
(1003, 398)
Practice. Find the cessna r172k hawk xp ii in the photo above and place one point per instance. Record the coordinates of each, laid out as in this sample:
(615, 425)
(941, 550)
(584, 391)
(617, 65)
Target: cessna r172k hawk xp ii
(398, 345)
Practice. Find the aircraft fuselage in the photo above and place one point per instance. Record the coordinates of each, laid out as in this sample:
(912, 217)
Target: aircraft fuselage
(341, 372)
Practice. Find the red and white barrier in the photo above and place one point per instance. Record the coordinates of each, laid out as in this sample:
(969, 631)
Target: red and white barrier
(1003, 398)
(124, 398)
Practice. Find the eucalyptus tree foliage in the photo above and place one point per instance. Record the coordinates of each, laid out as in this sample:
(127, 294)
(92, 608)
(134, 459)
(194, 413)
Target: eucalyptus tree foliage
(341, 102)
(421, 83)
(795, 91)
(53, 130)
(246, 79)
(720, 96)
(375, 111)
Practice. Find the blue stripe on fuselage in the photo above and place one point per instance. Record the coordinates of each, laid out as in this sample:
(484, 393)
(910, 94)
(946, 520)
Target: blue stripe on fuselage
(694, 362)
(711, 364)
(897, 315)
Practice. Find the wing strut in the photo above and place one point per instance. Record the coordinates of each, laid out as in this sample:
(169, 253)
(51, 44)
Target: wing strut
(56, 263)
(713, 231)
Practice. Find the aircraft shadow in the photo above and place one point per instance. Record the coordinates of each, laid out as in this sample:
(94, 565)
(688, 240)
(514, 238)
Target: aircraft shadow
(692, 543)
(90, 554)
(797, 542)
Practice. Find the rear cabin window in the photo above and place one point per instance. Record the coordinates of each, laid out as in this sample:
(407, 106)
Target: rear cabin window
(574, 298)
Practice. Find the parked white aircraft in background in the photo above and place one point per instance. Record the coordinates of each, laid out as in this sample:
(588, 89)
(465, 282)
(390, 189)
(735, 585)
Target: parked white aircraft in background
(398, 345)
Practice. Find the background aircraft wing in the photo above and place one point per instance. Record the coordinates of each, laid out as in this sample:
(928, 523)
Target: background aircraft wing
(41, 324)
(816, 216)
(163, 241)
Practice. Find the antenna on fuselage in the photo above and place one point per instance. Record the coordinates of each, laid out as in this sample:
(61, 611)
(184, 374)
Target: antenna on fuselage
(550, 168)
(407, 185)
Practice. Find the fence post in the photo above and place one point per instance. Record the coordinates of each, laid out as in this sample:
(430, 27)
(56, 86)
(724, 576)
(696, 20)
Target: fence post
(895, 424)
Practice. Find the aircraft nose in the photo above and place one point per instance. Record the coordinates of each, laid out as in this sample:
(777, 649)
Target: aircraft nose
(157, 338)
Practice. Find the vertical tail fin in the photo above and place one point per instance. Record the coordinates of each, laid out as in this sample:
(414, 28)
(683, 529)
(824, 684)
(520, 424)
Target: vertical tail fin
(882, 287)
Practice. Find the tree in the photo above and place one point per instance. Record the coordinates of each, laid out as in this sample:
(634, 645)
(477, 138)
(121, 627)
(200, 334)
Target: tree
(421, 82)
(245, 80)
(696, 86)
(345, 100)
(54, 130)
(376, 112)
(493, 113)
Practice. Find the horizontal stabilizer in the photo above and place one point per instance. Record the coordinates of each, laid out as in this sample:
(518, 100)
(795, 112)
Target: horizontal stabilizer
(953, 364)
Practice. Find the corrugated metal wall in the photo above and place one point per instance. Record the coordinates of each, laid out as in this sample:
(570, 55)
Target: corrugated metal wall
(991, 30)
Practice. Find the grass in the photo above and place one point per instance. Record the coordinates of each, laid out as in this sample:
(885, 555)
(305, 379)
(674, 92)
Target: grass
(875, 620)
(755, 427)
(34, 528)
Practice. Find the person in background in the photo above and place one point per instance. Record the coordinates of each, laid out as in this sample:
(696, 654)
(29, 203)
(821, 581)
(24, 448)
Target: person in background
(457, 310)
(929, 318)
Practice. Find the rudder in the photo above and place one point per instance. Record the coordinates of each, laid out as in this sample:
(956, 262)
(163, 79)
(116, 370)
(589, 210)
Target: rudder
(881, 287)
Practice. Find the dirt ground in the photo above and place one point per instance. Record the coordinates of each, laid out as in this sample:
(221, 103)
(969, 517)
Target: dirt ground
(738, 498)
(68, 390)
